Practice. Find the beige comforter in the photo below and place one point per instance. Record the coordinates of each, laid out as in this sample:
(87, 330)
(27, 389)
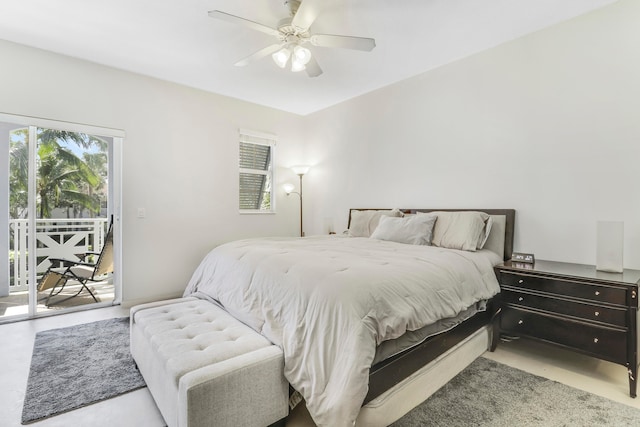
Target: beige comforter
(328, 301)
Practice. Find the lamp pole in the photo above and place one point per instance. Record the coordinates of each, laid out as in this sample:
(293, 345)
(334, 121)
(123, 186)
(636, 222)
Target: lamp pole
(301, 231)
(300, 171)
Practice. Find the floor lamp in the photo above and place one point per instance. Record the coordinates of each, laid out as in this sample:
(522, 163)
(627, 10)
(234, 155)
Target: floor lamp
(288, 188)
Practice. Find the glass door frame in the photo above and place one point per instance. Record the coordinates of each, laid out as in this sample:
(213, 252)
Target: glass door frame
(114, 204)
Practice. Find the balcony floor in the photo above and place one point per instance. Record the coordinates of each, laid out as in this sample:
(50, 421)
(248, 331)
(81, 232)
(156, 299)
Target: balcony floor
(17, 302)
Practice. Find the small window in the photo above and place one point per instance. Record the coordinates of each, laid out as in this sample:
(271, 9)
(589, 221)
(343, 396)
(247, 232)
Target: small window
(256, 171)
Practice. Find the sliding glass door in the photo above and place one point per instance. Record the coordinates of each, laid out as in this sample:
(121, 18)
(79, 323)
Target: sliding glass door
(14, 286)
(63, 192)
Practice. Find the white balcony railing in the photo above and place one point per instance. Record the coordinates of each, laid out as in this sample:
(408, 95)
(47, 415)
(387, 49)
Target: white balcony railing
(55, 238)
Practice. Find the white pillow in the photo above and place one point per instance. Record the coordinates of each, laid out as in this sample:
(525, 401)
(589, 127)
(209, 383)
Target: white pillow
(495, 241)
(364, 222)
(466, 230)
(414, 230)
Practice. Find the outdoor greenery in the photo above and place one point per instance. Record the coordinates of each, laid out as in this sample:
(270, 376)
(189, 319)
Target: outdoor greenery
(71, 173)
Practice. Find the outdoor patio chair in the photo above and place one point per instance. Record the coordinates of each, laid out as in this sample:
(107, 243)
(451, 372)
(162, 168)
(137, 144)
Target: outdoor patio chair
(62, 271)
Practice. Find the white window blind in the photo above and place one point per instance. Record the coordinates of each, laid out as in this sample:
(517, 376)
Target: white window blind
(256, 171)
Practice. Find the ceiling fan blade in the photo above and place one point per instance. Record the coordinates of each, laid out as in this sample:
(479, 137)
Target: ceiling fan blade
(259, 55)
(307, 12)
(312, 68)
(247, 23)
(344, 42)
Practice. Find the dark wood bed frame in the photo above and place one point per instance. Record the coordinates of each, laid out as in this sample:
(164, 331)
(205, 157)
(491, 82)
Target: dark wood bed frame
(388, 373)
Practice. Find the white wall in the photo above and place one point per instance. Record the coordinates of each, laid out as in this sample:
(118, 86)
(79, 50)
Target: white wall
(179, 159)
(548, 124)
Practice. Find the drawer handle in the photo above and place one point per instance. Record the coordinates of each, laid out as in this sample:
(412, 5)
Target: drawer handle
(597, 293)
(520, 299)
(520, 281)
(520, 322)
(595, 340)
(597, 313)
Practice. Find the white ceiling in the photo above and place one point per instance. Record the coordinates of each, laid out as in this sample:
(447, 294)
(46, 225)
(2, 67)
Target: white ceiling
(175, 40)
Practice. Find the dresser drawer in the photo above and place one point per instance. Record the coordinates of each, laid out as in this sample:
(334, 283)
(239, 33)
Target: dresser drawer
(590, 291)
(610, 315)
(606, 343)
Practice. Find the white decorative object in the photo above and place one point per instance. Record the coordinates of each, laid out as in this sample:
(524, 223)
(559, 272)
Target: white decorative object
(610, 244)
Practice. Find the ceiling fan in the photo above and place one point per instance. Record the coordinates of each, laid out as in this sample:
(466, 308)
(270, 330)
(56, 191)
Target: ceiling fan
(292, 34)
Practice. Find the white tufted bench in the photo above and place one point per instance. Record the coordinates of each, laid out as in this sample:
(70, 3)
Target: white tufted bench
(205, 368)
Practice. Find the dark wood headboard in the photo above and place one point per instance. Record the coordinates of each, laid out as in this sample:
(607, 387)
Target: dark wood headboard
(510, 215)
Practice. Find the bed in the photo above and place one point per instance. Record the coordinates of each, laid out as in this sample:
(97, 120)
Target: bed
(333, 303)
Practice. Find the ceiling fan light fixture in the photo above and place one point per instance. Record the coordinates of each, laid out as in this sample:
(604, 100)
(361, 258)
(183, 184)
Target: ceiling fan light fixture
(302, 54)
(281, 57)
(297, 65)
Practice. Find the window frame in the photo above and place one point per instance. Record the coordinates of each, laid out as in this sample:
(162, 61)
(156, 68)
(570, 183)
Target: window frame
(258, 138)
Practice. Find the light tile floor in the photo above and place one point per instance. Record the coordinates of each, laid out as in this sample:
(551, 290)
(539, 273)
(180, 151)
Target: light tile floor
(137, 409)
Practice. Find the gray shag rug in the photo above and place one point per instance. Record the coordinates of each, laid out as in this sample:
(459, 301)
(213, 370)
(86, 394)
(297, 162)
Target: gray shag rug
(488, 393)
(79, 365)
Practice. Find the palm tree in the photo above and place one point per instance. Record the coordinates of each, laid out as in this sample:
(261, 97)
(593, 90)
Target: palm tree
(19, 171)
(98, 162)
(62, 175)
(82, 140)
(57, 185)
(64, 179)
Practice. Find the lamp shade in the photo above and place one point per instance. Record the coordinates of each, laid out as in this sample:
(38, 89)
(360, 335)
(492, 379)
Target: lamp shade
(302, 55)
(297, 65)
(300, 169)
(288, 188)
(281, 57)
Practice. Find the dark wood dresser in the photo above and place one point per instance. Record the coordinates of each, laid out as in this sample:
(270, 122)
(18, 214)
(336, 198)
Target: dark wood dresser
(573, 306)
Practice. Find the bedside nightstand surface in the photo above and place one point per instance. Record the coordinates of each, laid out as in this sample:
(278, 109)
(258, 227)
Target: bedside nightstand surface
(575, 271)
